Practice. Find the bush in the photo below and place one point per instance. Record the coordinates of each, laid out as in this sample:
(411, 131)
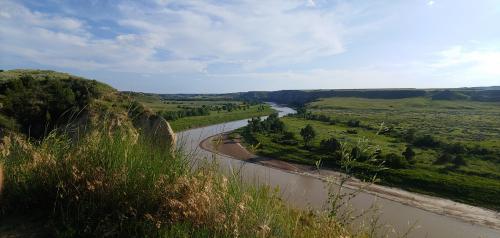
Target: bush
(40, 105)
(426, 141)
(330, 145)
(308, 133)
(409, 155)
(455, 148)
(459, 161)
(395, 161)
(352, 131)
(444, 158)
(353, 123)
(288, 135)
(289, 142)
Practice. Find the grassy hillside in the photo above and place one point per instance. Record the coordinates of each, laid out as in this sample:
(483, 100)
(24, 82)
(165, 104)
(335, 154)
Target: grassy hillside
(34, 102)
(455, 145)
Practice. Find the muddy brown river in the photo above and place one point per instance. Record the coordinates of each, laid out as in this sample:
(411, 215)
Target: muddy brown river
(305, 191)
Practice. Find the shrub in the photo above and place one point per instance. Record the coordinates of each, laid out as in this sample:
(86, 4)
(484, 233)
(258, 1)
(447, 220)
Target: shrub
(444, 158)
(330, 145)
(288, 135)
(352, 131)
(455, 148)
(426, 141)
(39, 105)
(308, 133)
(353, 123)
(459, 161)
(395, 161)
(409, 154)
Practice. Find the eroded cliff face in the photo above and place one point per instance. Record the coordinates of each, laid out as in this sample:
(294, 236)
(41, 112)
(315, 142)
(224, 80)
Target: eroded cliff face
(157, 128)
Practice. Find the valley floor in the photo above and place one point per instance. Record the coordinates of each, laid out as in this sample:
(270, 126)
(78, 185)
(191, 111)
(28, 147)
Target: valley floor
(222, 144)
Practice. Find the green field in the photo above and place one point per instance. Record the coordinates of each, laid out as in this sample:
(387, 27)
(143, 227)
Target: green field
(465, 129)
(455, 121)
(215, 114)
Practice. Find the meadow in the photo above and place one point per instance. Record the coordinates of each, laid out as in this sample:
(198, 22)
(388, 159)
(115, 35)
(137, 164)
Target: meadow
(215, 110)
(455, 144)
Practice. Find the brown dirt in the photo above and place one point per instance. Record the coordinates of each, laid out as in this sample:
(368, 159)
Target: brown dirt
(222, 144)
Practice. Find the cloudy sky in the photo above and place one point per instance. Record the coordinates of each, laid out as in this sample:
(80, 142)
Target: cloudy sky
(168, 46)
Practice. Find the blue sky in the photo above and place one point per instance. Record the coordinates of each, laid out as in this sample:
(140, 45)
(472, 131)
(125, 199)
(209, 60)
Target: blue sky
(167, 46)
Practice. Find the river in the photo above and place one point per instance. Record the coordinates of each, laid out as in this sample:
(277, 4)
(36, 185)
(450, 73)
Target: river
(305, 191)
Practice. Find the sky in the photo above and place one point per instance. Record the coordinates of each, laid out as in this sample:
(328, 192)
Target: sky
(194, 46)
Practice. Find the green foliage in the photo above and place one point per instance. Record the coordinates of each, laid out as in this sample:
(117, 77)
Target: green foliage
(426, 141)
(330, 145)
(436, 154)
(308, 133)
(353, 123)
(395, 161)
(409, 155)
(185, 112)
(39, 105)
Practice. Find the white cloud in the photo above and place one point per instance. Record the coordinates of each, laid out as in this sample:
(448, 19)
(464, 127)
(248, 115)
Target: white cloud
(253, 34)
(430, 3)
(481, 62)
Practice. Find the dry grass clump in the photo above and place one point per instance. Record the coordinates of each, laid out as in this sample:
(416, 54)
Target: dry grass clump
(118, 185)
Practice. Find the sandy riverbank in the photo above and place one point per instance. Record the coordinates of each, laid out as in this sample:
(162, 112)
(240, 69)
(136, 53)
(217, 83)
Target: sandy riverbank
(221, 144)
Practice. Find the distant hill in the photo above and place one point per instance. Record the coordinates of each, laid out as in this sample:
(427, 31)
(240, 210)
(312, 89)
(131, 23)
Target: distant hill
(489, 94)
(449, 95)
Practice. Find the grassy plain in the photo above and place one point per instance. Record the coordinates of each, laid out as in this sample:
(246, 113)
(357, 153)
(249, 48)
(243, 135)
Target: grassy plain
(156, 103)
(472, 124)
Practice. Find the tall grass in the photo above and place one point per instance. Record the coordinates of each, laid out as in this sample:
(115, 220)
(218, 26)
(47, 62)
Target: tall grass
(119, 184)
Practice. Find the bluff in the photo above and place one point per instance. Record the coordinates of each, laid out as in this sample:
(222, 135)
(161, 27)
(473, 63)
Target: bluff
(35, 102)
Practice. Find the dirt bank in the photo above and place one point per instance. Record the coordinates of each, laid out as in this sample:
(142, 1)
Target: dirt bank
(222, 144)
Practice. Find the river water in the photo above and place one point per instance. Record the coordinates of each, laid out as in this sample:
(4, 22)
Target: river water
(305, 191)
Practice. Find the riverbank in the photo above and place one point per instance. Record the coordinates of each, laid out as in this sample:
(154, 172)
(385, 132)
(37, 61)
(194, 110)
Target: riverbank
(232, 147)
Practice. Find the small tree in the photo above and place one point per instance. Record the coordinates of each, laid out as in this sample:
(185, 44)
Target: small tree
(444, 158)
(459, 161)
(330, 145)
(308, 134)
(395, 161)
(409, 155)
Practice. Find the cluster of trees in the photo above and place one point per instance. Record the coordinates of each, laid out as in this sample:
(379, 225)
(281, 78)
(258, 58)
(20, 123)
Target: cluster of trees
(272, 124)
(189, 112)
(450, 153)
(303, 113)
(39, 105)
(202, 111)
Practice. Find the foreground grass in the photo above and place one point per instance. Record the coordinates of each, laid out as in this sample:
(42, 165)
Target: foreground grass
(121, 184)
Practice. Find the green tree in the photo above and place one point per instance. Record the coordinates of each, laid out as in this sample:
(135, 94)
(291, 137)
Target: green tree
(330, 145)
(308, 134)
(459, 161)
(395, 161)
(409, 155)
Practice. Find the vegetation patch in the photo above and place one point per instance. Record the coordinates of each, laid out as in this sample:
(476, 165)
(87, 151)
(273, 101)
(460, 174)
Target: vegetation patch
(410, 137)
